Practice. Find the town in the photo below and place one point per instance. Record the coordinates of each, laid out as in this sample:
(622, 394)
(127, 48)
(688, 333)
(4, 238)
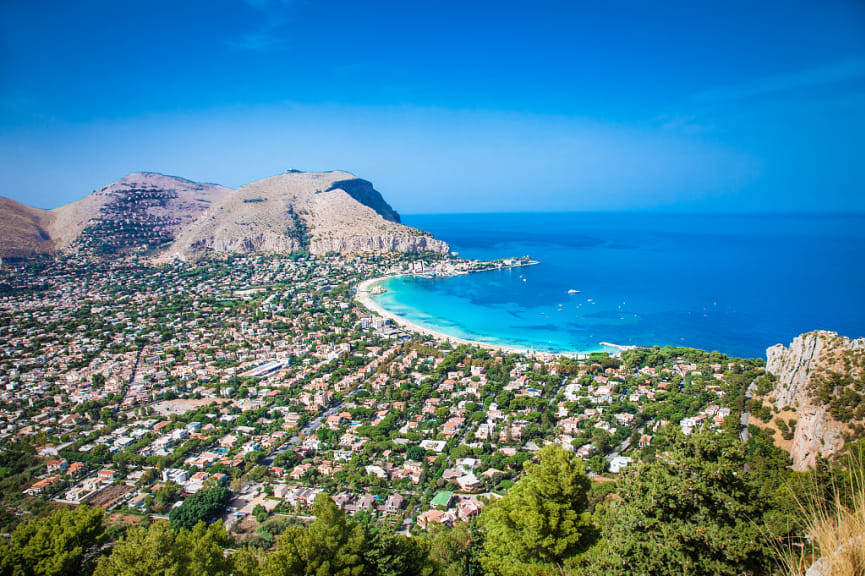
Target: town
(133, 386)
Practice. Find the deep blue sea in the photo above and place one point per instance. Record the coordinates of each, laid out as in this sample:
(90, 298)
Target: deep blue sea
(733, 283)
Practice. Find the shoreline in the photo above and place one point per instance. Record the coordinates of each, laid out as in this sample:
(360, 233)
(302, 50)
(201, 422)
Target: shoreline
(364, 297)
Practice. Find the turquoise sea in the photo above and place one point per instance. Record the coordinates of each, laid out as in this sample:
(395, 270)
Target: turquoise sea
(732, 283)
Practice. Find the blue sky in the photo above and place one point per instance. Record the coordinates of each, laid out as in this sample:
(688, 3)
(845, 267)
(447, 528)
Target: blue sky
(445, 106)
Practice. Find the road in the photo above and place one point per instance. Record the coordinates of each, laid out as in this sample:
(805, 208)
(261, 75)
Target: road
(311, 427)
(627, 442)
(744, 434)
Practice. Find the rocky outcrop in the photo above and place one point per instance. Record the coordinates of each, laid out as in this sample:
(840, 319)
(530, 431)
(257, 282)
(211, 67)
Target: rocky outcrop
(385, 243)
(263, 242)
(362, 191)
(801, 369)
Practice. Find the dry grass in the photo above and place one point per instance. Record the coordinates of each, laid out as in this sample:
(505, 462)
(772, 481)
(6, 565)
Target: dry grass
(835, 529)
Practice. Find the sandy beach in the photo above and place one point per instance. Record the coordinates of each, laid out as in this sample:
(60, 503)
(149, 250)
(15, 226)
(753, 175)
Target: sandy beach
(364, 297)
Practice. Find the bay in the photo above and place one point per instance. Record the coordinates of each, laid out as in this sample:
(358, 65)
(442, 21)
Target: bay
(728, 282)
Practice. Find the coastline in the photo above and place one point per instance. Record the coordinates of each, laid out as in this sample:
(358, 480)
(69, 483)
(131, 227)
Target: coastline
(364, 297)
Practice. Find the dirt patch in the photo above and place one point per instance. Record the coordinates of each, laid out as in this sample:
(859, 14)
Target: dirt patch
(169, 407)
(115, 519)
(777, 438)
(110, 496)
(246, 526)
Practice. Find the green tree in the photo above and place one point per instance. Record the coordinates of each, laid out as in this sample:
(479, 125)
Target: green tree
(694, 511)
(415, 452)
(389, 554)
(330, 545)
(201, 550)
(542, 521)
(455, 551)
(157, 550)
(143, 551)
(598, 464)
(63, 543)
(248, 561)
(205, 505)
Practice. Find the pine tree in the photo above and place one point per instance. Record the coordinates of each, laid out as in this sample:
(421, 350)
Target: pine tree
(542, 521)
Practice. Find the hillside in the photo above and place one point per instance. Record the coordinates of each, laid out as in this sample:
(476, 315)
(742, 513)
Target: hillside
(175, 217)
(23, 230)
(142, 210)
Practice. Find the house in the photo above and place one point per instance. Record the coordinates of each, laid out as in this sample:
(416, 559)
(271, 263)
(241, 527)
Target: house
(42, 486)
(468, 483)
(344, 500)
(435, 445)
(176, 475)
(139, 502)
(56, 466)
(106, 476)
(367, 503)
(570, 425)
(619, 462)
(468, 508)
(434, 516)
(393, 504)
(299, 470)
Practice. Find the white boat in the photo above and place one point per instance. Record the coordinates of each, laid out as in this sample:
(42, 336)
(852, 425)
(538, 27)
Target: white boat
(572, 291)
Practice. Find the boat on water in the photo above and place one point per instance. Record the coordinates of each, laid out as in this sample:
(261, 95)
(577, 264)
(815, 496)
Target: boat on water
(572, 291)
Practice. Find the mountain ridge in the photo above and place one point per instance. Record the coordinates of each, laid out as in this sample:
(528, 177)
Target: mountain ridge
(174, 217)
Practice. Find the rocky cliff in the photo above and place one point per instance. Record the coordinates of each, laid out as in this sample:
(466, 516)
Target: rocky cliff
(820, 377)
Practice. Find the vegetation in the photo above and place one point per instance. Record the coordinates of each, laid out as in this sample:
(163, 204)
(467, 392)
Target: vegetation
(157, 549)
(835, 526)
(542, 521)
(63, 543)
(205, 506)
(698, 509)
(694, 511)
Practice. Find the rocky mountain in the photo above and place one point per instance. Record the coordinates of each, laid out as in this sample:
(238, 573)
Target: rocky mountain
(822, 377)
(320, 212)
(175, 217)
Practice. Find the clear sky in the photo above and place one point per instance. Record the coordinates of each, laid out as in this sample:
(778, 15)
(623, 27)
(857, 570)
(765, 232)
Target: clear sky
(445, 106)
